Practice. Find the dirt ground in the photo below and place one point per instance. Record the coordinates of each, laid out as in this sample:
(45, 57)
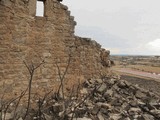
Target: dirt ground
(139, 73)
(149, 84)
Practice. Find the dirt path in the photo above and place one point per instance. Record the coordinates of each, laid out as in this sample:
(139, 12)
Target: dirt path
(143, 79)
(148, 84)
(139, 73)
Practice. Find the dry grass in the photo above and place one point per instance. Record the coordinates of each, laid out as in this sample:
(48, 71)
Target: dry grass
(145, 68)
(132, 75)
(139, 66)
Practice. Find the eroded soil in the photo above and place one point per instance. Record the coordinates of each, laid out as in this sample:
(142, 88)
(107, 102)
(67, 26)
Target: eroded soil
(149, 84)
(140, 73)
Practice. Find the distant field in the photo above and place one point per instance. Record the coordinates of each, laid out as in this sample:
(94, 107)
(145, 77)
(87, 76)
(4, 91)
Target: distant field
(141, 70)
(141, 63)
(136, 66)
(145, 68)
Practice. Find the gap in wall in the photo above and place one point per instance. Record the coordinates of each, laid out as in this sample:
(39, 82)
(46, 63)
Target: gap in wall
(40, 8)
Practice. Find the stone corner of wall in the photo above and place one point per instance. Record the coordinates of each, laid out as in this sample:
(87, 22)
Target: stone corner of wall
(65, 7)
(88, 41)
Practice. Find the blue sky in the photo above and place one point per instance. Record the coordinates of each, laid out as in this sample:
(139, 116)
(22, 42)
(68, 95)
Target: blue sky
(122, 26)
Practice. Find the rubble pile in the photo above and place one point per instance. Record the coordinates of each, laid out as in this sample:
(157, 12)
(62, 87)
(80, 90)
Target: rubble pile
(119, 100)
(103, 99)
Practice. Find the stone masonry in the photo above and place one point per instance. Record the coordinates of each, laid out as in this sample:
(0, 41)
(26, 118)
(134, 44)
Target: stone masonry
(25, 37)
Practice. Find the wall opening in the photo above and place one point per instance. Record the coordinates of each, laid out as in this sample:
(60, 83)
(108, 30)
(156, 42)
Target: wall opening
(40, 8)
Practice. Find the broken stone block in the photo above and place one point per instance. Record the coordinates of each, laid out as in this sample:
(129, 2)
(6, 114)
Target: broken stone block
(133, 111)
(80, 112)
(95, 110)
(57, 108)
(99, 81)
(102, 88)
(133, 103)
(121, 84)
(20, 112)
(140, 94)
(48, 117)
(108, 93)
(112, 81)
(22, 118)
(84, 118)
(84, 91)
(127, 118)
(103, 105)
(148, 117)
(100, 117)
(156, 113)
(115, 116)
(8, 116)
(116, 102)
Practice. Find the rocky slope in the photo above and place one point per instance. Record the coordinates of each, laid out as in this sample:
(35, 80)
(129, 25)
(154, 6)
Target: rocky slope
(99, 99)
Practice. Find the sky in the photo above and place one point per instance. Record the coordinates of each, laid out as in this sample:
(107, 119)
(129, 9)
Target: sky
(122, 26)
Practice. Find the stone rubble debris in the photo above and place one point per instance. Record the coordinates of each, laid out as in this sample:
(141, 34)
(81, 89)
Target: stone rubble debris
(103, 99)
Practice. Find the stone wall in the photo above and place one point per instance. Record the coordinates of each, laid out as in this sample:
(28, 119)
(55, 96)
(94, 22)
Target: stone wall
(27, 38)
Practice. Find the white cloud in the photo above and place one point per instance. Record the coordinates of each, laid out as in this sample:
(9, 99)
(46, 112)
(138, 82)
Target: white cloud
(124, 26)
(154, 45)
(114, 51)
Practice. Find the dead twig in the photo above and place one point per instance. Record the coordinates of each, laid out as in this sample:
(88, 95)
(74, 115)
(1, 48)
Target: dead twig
(61, 77)
(11, 101)
(31, 69)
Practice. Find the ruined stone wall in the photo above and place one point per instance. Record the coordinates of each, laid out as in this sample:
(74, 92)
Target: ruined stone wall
(27, 38)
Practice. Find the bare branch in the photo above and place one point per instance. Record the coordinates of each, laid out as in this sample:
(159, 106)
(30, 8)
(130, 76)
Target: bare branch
(31, 70)
(61, 87)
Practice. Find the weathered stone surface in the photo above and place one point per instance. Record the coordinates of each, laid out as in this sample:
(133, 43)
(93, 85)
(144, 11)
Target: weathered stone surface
(33, 39)
(57, 108)
(115, 116)
(8, 116)
(148, 117)
(19, 113)
(102, 88)
(84, 118)
(140, 94)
